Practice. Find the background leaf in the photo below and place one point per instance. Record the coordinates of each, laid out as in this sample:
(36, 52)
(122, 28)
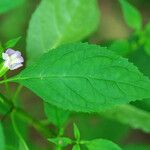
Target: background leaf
(136, 147)
(6, 5)
(100, 126)
(17, 128)
(73, 85)
(131, 15)
(102, 144)
(5, 107)
(2, 143)
(1, 50)
(57, 22)
(76, 147)
(147, 38)
(56, 115)
(12, 141)
(130, 115)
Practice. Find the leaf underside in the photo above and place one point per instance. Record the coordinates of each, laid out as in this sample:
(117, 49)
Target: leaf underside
(57, 22)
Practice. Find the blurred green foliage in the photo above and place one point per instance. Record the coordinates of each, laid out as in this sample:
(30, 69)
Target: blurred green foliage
(14, 21)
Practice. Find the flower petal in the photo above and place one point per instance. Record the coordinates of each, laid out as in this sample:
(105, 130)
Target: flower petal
(15, 55)
(5, 56)
(10, 51)
(15, 66)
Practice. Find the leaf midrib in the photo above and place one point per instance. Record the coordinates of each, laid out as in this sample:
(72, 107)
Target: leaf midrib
(69, 76)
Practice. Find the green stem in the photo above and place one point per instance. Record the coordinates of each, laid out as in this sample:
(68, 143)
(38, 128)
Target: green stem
(7, 114)
(18, 133)
(3, 69)
(7, 87)
(35, 123)
(16, 93)
(6, 80)
(45, 131)
(58, 147)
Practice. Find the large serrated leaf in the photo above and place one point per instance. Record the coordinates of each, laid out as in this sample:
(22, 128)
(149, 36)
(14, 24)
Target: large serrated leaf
(82, 77)
(57, 22)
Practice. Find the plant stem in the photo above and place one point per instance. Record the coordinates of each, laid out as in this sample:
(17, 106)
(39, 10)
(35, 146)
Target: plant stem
(58, 147)
(35, 123)
(7, 86)
(45, 131)
(16, 93)
(6, 80)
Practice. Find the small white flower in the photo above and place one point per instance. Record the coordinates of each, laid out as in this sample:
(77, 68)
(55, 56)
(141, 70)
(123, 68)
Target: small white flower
(13, 59)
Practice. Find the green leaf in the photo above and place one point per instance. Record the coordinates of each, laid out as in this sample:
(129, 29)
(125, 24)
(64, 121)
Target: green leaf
(147, 38)
(121, 47)
(62, 141)
(11, 43)
(2, 141)
(102, 126)
(56, 115)
(137, 147)
(13, 24)
(6, 5)
(16, 125)
(83, 77)
(56, 22)
(131, 15)
(76, 147)
(102, 144)
(130, 115)
(11, 142)
(5, 107)
(76, 132)
(1, 49)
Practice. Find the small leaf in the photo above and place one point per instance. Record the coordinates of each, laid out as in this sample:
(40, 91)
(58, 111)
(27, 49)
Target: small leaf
(103, 144)
(2, 141)
(62, 141)
(76, 132)
(56, 115)
(11, 43)
(76, 147)
(131, 15)
(6, 5)
(57, 22)
(121, 47)
(130, 115)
